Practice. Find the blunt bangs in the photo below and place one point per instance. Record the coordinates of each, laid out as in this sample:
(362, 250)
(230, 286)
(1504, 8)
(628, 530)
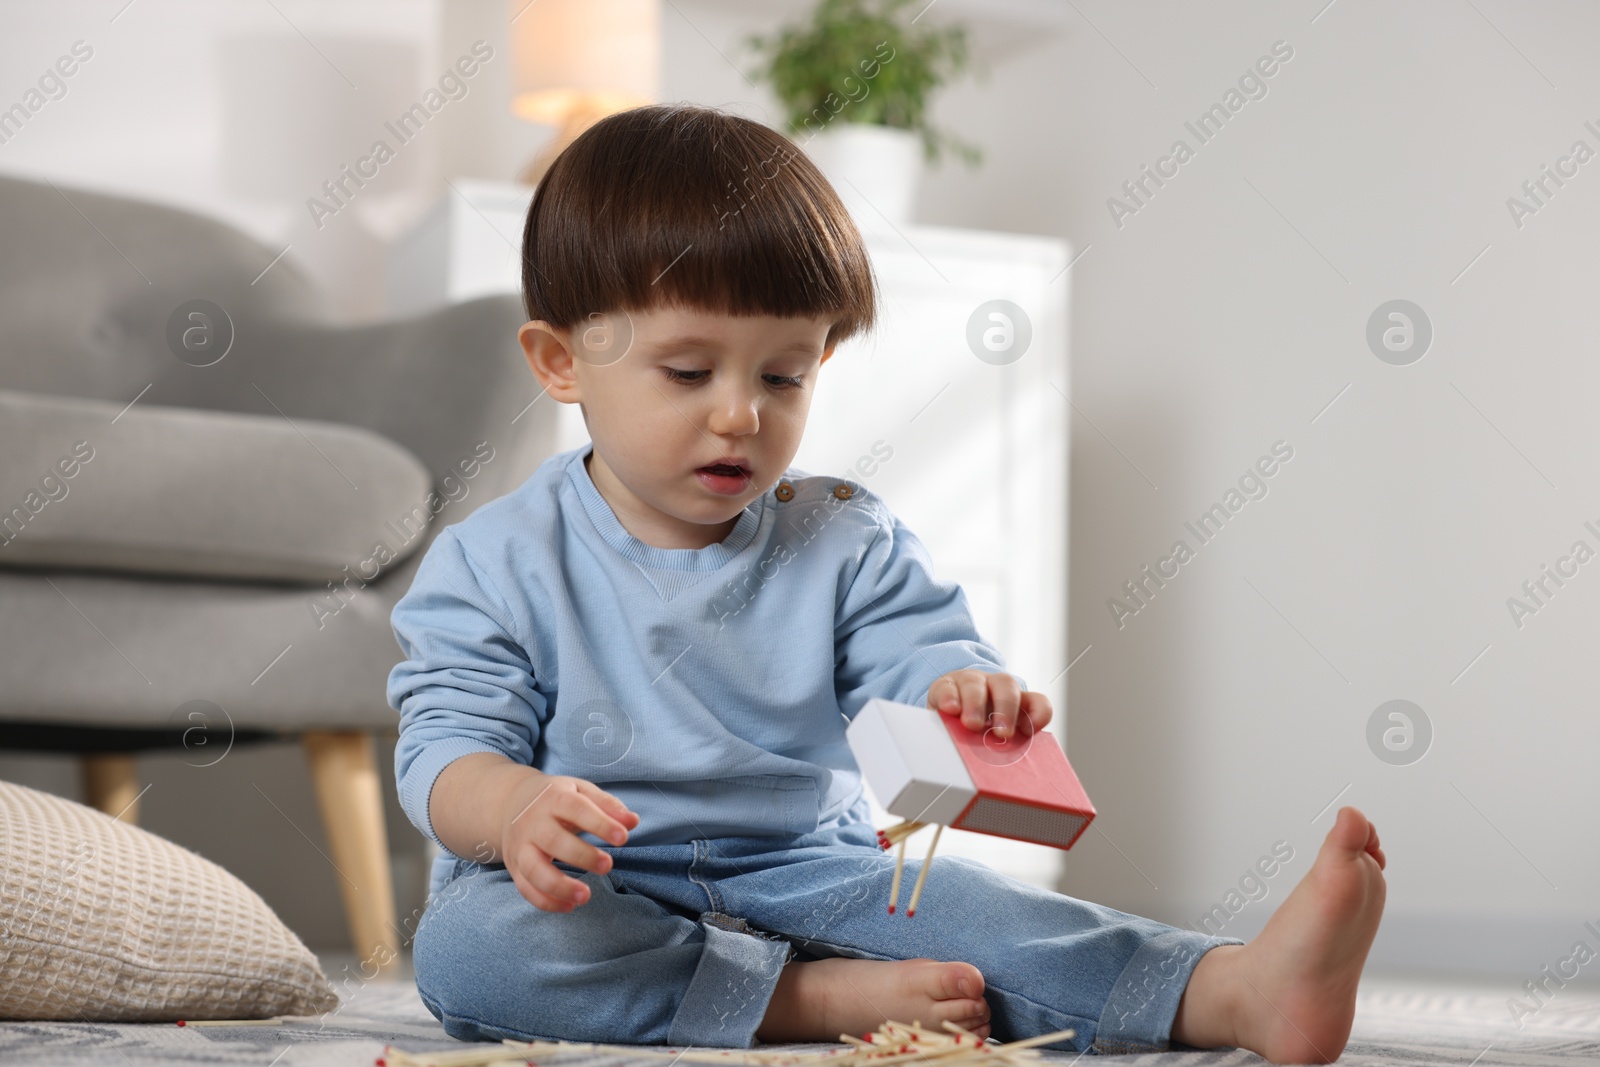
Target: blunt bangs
(691, 206)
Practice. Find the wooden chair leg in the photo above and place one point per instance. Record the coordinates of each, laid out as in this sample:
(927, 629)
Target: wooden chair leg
(349, 791)
(111, 783)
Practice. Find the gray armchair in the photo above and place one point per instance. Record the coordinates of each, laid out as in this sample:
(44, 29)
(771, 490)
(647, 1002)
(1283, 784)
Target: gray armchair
(207, 510)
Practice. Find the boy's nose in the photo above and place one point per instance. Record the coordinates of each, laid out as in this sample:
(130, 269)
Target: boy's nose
(735, 413)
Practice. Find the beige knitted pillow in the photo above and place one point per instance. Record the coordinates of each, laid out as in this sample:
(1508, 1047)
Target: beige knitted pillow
(102, 921)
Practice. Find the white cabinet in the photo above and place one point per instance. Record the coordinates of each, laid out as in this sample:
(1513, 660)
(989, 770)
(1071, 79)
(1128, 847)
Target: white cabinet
(979, 446)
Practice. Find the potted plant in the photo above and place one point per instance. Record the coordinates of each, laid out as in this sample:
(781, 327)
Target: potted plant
(855, 82)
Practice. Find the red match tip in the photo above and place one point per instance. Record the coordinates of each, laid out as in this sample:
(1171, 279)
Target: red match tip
(910, 913)
(891, 912)
(866, 1037)
(180, 1022)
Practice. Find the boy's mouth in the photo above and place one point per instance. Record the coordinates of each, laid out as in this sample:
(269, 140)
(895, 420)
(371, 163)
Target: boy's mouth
(727, 478)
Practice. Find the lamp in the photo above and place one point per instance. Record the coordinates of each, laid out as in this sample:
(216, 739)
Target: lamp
(578, 61)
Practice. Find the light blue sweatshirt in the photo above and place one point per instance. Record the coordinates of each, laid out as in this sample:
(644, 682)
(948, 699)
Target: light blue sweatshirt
(708, 689)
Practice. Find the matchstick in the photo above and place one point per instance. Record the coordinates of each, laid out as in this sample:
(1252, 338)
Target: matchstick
(276, 1020)
(898, 832)
(899, 869)
(893, 1045)
(922, 875)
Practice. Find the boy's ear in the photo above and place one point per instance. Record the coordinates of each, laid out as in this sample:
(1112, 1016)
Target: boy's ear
(549, 356)
(825, 354)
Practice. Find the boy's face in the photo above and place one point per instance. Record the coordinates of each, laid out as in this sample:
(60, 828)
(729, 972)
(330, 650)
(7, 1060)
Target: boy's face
(702, 413)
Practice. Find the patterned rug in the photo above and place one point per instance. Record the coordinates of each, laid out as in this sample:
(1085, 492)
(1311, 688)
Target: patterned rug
(1398, 1024)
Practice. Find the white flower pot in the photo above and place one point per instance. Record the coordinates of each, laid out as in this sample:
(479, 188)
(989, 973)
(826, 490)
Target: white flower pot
(874, 169)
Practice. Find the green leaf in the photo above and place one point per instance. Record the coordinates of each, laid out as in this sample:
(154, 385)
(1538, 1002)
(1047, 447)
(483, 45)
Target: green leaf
(860, 61)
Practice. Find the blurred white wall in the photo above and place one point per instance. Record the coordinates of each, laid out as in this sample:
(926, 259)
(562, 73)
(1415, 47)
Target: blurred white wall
(1224, 316)
(1228, 313)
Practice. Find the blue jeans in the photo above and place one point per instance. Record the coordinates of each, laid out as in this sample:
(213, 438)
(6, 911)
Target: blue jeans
(682, 945)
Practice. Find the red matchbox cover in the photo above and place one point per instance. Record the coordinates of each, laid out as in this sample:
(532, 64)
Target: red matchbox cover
(1025, 788)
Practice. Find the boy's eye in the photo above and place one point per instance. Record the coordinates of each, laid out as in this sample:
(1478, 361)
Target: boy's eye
(778, 381)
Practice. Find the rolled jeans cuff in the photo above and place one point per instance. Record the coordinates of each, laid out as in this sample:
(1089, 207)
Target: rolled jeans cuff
(1138, 1015)
(727, 997)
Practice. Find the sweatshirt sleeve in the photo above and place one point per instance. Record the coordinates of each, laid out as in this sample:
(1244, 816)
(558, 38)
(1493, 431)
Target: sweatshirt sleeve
(466, 684)
(900, 628)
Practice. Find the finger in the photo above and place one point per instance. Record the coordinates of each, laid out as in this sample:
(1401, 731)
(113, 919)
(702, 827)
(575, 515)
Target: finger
(1036, 712)
(974, 698)
(550, 880)
(541, 883)
(566, 846)
(537, 897)
(943, 695)
(582, 813)
(609, 804)
(1005, 696)
(543, 792)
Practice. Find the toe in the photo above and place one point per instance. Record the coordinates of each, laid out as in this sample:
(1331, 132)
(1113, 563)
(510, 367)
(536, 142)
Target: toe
(1351, 832)
(970, 1015)
(958, 981)
(1375, 849)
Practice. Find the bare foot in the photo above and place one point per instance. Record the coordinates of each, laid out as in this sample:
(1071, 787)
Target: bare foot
(817, 1000)
(1290, 995)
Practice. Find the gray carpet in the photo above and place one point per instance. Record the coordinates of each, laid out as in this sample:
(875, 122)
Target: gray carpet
(1398, 1024)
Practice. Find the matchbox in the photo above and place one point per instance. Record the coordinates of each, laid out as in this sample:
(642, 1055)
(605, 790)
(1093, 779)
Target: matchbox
(926, 766)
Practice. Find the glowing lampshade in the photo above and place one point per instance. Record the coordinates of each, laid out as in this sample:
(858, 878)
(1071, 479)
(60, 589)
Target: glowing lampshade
(578, 61)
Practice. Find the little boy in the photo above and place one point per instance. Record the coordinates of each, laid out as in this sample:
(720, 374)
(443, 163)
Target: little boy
(654, 830)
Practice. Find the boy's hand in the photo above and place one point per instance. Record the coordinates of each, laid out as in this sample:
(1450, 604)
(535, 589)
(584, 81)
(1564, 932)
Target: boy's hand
(979, 696)
(542, 817)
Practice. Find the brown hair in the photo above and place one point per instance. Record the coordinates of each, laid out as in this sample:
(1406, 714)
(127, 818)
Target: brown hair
(691, 206)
